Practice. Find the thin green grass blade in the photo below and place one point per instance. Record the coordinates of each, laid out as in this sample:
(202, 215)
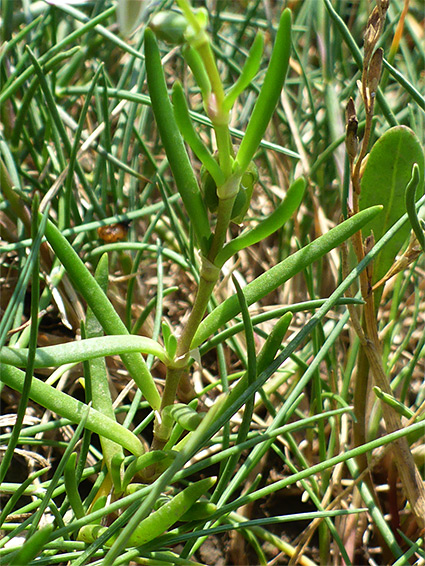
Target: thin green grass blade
(35, 291)
(15, 82)
(355, 51)
(410, 197)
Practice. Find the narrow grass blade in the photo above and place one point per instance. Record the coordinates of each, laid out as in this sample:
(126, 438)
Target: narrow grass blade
(410, 197)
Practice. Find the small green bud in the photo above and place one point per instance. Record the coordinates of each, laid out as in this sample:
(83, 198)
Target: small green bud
(239, 206)
(161, 500)
(199, 510)
(209, 190)
(196, 37)
(243, 198)
(133, 487)
(169, 26)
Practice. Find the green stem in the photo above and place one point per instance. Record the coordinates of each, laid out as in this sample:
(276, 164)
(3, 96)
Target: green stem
(215, 101)
(224, 145)
(186, 8)
(361, 395)
(201, 42)
(205, 51)
(162, 430)
(225, 207)
(176, 372)
(283, 271)
(12, 198)
(203, 296)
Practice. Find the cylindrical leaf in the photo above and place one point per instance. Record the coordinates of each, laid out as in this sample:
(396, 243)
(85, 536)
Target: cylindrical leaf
(191, 137)
(178, 159)
(72, 409)
(282, 272)
(266, 227)
(269, 94)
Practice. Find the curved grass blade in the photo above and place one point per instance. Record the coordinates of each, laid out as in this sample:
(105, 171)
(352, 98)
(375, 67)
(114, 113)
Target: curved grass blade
(411, 208)
(35, 298)
(15, 82)
(356, 53)
(251, 374)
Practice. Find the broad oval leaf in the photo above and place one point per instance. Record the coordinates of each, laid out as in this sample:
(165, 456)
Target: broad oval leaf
(388, 171)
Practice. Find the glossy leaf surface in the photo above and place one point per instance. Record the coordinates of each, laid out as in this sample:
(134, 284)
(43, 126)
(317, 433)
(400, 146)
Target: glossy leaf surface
(387, 173)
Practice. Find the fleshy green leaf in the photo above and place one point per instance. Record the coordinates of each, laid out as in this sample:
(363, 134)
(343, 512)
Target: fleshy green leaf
(159, 521)
(143, 462)
(282, 272)
(170, 341)
(102, 308)
(249, 71)
(33, 546)
(71, 486)
(178, 159)
(191, 137)
(266, 227)
(194, 60)
(269, 94)
(72, 409)
(185, 416)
